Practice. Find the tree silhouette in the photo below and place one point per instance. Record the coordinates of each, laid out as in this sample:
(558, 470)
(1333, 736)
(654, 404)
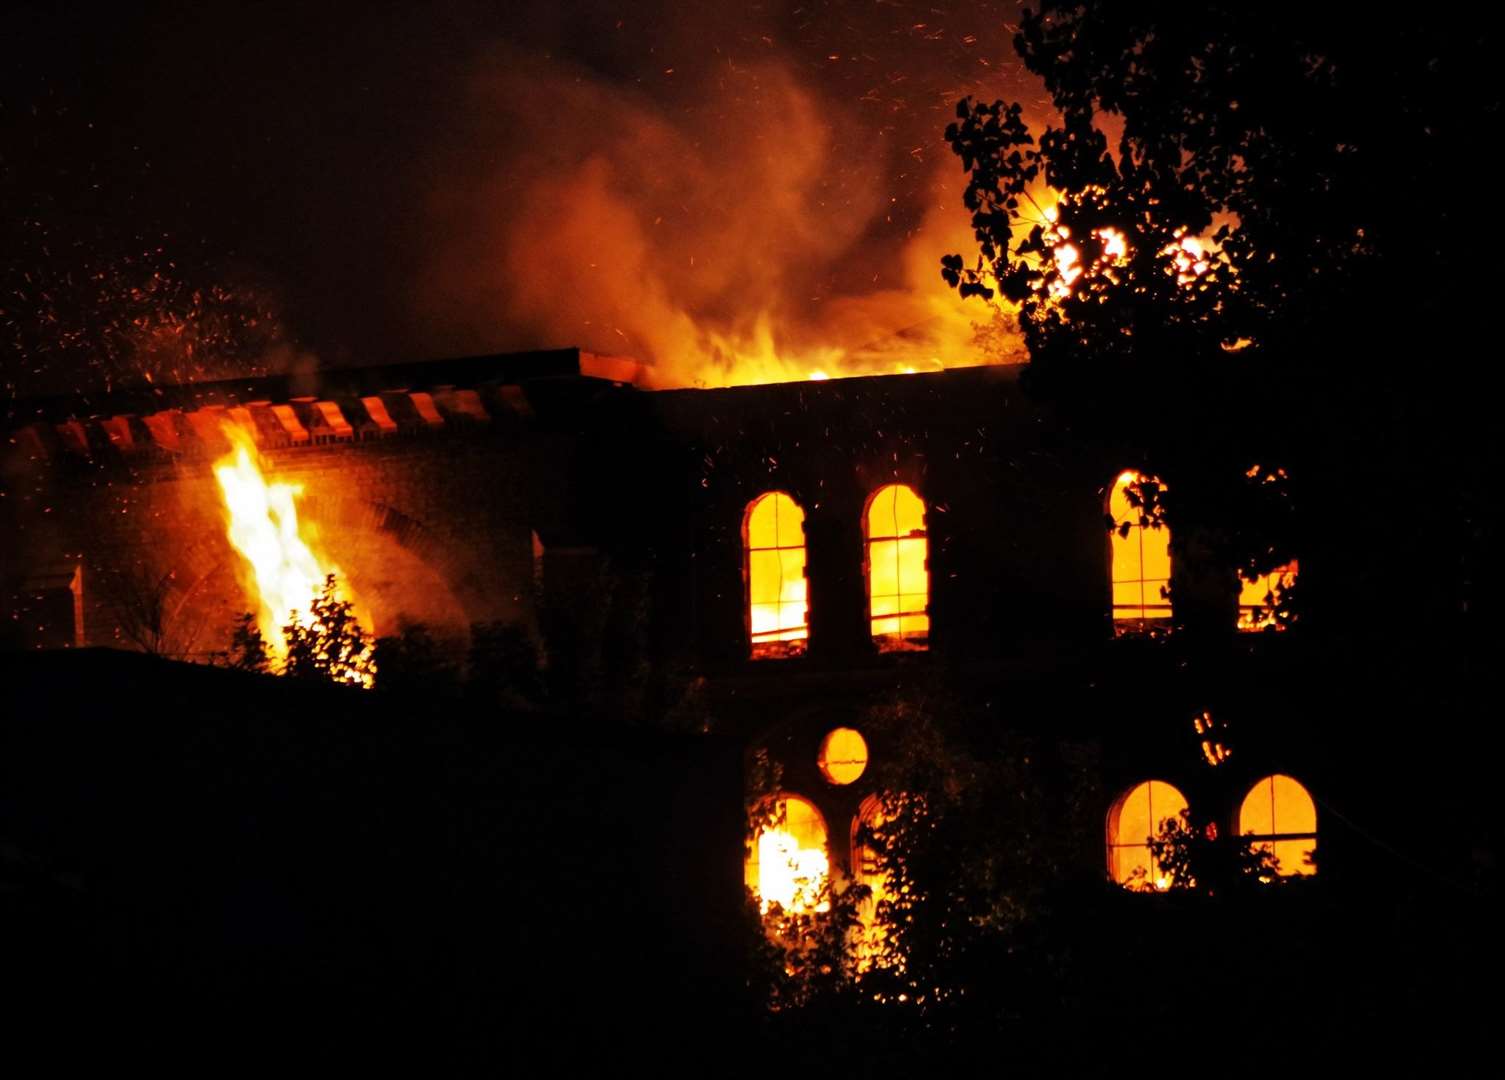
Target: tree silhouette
(332, 645)
(1227, 253)
(248, 649)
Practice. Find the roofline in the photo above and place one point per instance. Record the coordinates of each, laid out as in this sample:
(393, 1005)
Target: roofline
(490, 369)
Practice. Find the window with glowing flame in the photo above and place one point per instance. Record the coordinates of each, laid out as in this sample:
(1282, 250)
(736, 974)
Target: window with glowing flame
(898, 572)
(773, 536)
(1141, 559)
(1255, 597)
(1134, 819)
(787, 863)
(1279, 816)
(843, 755)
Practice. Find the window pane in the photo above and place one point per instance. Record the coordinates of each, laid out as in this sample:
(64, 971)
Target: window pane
(1281, 817)
(776, 590)
(1295, 812)
(1293, 854)
(1141, 559)
(1134, 819)
(787, 863)
(883, 568)
(898, 580)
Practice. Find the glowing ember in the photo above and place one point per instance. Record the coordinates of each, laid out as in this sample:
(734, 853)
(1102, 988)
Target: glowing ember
(285, 574)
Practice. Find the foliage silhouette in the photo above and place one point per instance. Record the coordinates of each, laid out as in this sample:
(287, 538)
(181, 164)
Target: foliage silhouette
(414, 661)
(248, 649)
(1195, 856)
(1254, 375)
(333, 646)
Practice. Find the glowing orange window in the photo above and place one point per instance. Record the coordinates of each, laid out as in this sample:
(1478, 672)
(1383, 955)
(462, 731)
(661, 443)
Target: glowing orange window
(787, 863)
(1255, 597)
(773, 535)
(1141, 559)
(1135, 818)
(898, 574)
(1279, 816)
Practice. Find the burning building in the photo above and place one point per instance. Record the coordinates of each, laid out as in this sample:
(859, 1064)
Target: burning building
(790, 556)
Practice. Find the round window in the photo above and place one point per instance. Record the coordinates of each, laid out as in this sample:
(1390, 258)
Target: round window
(843, 756)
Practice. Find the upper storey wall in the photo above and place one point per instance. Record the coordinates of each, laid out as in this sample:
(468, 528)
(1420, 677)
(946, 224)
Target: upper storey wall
(1017, 546)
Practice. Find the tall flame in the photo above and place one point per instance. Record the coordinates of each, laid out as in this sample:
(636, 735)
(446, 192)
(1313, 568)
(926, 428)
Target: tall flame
(262, 523)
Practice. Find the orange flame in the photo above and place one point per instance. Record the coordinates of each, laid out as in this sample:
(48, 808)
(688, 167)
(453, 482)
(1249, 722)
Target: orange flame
(790, 875)
(262, 523)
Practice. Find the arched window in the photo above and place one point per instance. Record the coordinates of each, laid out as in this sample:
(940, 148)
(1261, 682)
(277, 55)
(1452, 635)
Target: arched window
(866, 870)
(898, 574)
(1141, 559)
(1279, 816)
(1134, 819)
(787, 863)
(773, 537)
(1253, 611)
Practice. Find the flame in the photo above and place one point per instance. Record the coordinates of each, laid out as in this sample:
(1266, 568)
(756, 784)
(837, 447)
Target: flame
(285, 575)
(723, 247)
(790, 875)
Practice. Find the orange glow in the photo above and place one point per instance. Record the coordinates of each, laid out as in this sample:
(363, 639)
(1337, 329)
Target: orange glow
(1067, 258)
(898, 573)
(843, 755)
(1141, 560)
(1253, 611)
(1132, 822)
(872, 939)
(718, 255)
(1213, 750)
(774, 541)
(1279, 816)
(1187, 258)
(787, 864)
(262, 523)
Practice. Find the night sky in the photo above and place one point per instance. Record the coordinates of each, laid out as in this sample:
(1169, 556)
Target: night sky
(391, 181)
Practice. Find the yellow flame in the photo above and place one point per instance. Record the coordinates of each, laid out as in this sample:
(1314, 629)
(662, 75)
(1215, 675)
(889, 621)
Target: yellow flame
(262, 523)
(790, 875)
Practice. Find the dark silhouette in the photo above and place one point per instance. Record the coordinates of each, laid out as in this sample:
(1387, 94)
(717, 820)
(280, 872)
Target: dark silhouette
(1269, 372)
(332, 645)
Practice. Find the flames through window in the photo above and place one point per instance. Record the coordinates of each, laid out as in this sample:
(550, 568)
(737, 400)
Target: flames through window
(787, 863)
(898, 572)
(774, 541)
(1279, 816)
